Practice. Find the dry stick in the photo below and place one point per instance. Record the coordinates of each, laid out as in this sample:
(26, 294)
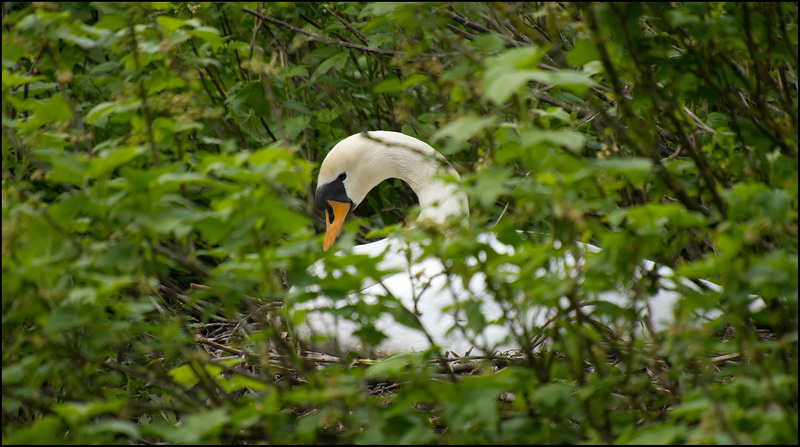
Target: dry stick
(275, 112)
(313, 356)
(226, 26)
(706, 73)
(293, 357)
(754, 54)
(221, 346)
(461, 33)
(749, 104)
(205, 87)
(241, 372)
(210, 74)
(322, 38)
(346, 23)
(786, 99)
(469, 24)
(197, 308)
(318, 26)
(700, 161)
(244, 76)
(699, 123)
(256, 27)
(516, 33)
(538, 28)
(499, 12)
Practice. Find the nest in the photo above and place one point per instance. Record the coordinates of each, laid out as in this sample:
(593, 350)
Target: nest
(221, 338)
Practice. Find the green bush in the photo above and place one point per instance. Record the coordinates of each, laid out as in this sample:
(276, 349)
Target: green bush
(159, 162)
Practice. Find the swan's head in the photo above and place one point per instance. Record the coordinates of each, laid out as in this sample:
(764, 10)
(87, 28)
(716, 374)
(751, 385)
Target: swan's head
(360, 162)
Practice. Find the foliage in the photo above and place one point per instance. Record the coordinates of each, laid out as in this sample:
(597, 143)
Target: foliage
(158, 169)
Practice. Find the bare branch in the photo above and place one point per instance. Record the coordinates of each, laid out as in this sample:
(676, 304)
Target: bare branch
(322, 38)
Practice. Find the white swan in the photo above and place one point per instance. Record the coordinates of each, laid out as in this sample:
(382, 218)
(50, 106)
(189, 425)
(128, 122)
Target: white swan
(350, 170)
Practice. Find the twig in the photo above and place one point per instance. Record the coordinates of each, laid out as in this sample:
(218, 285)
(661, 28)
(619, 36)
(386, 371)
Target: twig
(220, 346)
(461, 32)
(346, 23)
(699, 123)
(322, 38)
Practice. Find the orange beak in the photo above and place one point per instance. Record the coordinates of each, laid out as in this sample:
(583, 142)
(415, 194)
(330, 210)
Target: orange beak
(333, 224)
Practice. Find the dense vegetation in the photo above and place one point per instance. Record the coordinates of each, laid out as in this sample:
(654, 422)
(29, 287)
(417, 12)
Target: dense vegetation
(158, 169)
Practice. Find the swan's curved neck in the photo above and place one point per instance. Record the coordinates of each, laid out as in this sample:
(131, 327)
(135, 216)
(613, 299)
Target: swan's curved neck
(421, 167)
(438, 199)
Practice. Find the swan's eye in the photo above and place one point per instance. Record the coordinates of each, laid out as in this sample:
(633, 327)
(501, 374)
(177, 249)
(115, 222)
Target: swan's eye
(342, 176)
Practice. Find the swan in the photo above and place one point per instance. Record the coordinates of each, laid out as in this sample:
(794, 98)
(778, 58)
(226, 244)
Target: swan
(424, 294)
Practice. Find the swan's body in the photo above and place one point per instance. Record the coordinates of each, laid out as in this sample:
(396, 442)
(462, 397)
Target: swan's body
(359, 163)
(422, 288)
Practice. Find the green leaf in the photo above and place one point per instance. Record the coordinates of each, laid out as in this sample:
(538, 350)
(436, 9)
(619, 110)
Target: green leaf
(184, 375)
(115, 426)
(583, 52)
(462, 129)
(716, 120)
(48, 429)
(53, 110)
(413, 80)
(569, 139)
(490, 184)
(66, 34)
(390, 85)
(15, 79)
(255, 97)
(296, 125)
(657, 435)
(110, 159)
(208, 34)
(100, 112)
(336, 61)
(489, 43)
(199, 425)
(636, 170)
(169, 24)
(653, 217)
